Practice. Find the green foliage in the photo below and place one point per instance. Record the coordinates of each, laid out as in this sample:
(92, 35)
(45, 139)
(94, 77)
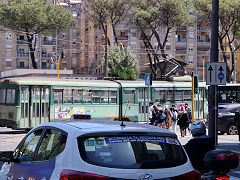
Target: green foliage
(122, 64)
(35, 16)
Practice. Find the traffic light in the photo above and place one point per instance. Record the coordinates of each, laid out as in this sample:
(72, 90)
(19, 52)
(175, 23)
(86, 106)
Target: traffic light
(195, 84)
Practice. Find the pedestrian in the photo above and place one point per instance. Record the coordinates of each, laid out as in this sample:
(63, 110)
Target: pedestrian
(161, 119)
(159, 106)
(183, 121)
(169, 116)
(189, 112)
(154, 114)
(174, 118)
(150, 109)
(237, 122)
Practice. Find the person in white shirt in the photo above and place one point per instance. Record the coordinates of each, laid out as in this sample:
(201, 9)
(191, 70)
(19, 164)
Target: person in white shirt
(150, 109)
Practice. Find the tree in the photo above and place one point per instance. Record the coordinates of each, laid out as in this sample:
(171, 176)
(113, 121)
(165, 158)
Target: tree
(150, 17)
(122, 64)
(229, 24)
(35, 17)
(109, 11)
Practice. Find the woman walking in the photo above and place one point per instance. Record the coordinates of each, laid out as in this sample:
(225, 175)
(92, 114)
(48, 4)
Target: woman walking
(174, 118)
(183, 121)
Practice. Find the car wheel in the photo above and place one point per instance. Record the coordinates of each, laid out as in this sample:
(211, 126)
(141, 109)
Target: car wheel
(232, 130)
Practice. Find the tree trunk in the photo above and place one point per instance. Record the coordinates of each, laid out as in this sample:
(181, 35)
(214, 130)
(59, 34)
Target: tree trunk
(228, 73)
(32, 50)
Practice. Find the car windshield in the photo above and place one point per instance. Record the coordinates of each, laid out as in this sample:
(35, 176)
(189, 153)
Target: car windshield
(132, 152)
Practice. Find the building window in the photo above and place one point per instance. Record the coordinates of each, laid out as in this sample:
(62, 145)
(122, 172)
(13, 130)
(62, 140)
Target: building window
(8, 35)
(190, 59)
(133, 34)
(64, 35)
(191, 35)
(8, 62)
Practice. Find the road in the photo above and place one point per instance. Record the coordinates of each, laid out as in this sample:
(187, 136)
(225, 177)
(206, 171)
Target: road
(9, 139)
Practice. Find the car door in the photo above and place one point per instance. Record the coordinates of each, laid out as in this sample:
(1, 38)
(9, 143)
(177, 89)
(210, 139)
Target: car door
(36, 155)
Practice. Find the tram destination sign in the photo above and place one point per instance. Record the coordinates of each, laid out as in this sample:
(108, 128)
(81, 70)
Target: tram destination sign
(216, 73)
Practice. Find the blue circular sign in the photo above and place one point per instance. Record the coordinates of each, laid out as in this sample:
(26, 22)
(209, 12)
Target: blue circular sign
(220, 76)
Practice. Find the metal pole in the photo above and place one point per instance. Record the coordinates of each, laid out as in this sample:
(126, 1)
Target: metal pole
(212, 97)
(148, 103)
(192, 97)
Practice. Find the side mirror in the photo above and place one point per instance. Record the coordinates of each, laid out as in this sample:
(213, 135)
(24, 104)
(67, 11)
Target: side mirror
(6, 156)
(221, 160)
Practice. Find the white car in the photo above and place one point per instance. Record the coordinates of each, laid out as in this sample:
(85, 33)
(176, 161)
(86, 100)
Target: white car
(75, 150)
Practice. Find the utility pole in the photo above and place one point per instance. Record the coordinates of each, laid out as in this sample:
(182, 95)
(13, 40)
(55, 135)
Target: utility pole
(212, 96)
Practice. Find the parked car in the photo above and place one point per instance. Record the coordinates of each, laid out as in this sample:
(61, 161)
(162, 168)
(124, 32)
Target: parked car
(81, 149)
(226, 115)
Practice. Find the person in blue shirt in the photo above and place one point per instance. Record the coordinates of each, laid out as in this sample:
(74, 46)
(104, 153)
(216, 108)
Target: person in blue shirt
(161, 119)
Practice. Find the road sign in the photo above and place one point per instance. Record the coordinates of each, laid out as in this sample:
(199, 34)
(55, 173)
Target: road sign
(147, 79)
(216, 73)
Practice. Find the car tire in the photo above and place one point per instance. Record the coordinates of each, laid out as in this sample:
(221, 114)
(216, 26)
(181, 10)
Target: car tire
(232, 130)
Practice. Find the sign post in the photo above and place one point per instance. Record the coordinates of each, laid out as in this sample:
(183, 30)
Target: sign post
(148, 83)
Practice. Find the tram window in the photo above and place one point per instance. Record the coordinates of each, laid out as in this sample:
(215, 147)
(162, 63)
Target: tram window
(43, 109)
(78, 95)
(57, 96)
(113, 96)
(26, 109)
(141, 93)
(160, 95)
(104, 96)
(96, 93)
(10, 96)
(169, 95)
(34, 110)
(47, 93)
(178, 95)
(47, 110)
(129, 96)
(3, 95)
(187, 95)
(67, 94)
(38, 110)
(22, 110)
(87, 94)
(36, 93)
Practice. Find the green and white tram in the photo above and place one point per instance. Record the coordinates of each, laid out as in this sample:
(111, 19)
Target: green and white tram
(28, 101)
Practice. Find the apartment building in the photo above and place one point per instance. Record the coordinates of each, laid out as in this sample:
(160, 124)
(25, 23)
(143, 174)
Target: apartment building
(83, 48)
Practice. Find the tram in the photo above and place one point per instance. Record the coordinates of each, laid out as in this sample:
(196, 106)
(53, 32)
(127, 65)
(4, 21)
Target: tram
(28, 101)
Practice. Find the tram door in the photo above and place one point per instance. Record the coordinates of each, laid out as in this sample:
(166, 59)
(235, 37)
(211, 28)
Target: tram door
(142, 104)
(24, 101)
(40, 105)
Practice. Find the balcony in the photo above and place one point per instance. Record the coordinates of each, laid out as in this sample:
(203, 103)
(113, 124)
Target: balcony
(22, 41)
(142, 51)
(22, 55)
(47, 42)
(180, 52)
(181, 39)
(47, 55)
(203, 40)
(202, 53)
(122, 38)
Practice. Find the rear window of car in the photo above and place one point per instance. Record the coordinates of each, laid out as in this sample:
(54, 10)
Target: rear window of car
(132, 152)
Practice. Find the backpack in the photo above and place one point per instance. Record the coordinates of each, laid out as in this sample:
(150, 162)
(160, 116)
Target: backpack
(161, 117)
(174, 116)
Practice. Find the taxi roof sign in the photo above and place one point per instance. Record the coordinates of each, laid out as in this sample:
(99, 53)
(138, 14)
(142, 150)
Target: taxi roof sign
(80, 117)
